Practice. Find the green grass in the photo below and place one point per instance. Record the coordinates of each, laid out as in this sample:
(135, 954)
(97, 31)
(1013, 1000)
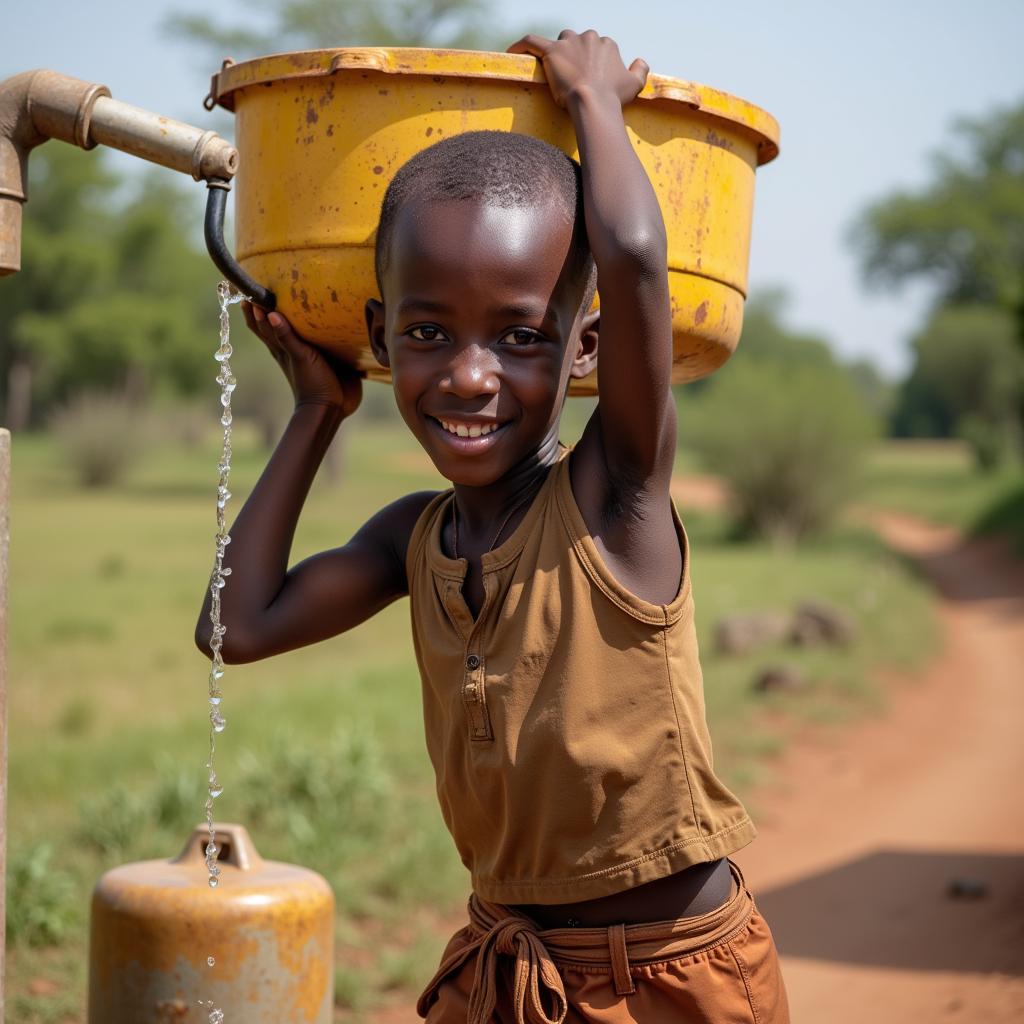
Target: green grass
(323, 758)
(937, 480)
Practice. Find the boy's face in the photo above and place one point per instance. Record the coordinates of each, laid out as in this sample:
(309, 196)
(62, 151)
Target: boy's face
(482, 329)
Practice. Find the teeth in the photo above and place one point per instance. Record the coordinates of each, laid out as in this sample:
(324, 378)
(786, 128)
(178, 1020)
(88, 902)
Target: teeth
(476, 430)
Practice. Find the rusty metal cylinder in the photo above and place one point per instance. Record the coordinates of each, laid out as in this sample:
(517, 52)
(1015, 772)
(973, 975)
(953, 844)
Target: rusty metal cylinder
(269, 928)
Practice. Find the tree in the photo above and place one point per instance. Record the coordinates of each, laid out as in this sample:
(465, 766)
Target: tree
(306, 24)
(968, 373)
(113, 295)
(965, 234)
(784, 423)
(787, 438)
(767, 337)
(965, 231)
(60, 263)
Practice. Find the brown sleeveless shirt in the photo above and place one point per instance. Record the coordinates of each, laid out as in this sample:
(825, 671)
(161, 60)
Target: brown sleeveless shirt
(566, 723)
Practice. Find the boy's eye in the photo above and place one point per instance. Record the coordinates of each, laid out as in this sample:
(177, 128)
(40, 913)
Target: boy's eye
(425, 333)
(521, 336)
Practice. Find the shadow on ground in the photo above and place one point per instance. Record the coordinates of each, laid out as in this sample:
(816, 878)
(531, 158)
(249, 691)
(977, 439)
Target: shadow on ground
(895, 908)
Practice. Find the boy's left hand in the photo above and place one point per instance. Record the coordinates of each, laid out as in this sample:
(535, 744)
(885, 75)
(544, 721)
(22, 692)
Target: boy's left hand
(575, 63)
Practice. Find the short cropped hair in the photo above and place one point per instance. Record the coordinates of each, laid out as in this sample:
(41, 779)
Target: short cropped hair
(503, 169)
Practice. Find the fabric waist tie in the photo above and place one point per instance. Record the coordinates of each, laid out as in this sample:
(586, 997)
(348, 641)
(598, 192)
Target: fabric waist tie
(537, 993)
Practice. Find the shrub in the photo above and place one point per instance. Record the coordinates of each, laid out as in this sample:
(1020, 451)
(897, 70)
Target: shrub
(787, 438)
(101, 437)
(112, 822)
(985, 438)
(40, 898)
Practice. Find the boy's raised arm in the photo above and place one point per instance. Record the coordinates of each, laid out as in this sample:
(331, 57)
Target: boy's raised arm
(626, 232)
(266, 608)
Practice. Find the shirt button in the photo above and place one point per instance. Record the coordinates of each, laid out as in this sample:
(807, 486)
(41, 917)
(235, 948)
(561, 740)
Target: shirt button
(473, 662)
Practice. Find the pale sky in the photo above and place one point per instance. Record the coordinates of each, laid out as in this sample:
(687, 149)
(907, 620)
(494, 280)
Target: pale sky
(865, 91)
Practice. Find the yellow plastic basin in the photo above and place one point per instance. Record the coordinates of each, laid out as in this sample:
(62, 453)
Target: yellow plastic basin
(321, 132)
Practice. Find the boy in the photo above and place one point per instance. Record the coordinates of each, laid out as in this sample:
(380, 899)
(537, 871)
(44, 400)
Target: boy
(550, 591)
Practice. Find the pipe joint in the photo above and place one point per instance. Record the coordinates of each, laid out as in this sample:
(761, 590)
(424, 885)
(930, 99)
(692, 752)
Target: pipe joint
(40, 105)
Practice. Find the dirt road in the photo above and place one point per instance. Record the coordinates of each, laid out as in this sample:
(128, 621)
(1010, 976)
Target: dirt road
(871, 829)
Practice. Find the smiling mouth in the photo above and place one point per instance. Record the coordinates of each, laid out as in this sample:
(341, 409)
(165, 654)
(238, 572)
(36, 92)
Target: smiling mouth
(468, 429)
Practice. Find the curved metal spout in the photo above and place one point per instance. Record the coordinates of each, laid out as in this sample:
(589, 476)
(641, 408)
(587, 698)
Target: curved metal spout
(213, 229)
(40, 105)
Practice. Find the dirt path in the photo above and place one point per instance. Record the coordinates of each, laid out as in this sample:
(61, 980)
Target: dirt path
(862, 840)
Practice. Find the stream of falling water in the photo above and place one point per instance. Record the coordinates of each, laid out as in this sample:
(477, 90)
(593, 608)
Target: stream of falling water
(227, 296)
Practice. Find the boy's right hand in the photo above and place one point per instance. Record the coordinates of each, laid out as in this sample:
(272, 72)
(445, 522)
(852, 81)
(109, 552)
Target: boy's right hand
(314, 379)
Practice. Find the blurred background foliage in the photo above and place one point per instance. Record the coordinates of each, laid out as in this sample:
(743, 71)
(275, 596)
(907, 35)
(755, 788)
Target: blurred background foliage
(311, 24)
(116, 300)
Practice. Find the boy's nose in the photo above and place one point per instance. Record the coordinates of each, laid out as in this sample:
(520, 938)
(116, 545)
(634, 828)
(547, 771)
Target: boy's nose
(473, 371)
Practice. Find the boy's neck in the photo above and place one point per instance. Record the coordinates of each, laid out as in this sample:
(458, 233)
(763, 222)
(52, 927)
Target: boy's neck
(480, 507)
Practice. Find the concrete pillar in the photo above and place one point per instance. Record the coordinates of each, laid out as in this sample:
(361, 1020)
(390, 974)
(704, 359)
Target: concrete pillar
(5, 523)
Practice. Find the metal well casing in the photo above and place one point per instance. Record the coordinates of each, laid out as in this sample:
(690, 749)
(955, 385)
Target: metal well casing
(269, 927)
(321, 132)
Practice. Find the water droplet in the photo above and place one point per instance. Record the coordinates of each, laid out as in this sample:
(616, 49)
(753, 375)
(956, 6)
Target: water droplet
(215, 791)
(213, 882)
(219, 582)
(216, 1017)
(211, 849)
(215, 701)
(225, 572)
(226, 418)
(219, 723)
(210, 962)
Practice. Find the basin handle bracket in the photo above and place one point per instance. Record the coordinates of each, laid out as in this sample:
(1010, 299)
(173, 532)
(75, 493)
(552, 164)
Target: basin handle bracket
(213, 230)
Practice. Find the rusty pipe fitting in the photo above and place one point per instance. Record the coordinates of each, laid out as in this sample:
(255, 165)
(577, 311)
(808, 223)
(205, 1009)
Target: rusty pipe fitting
(40, 105)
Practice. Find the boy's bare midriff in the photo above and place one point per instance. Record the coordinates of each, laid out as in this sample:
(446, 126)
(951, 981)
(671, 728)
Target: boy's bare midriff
(688, 893)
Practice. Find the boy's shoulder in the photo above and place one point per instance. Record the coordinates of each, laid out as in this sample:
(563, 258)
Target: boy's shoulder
(392, 527)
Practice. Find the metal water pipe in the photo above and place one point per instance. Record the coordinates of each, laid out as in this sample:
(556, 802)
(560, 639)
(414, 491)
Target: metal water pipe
(39, 105)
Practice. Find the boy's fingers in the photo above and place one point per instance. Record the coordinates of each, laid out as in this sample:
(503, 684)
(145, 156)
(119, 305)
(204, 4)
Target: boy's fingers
(534, 45)
(256, 321)
(281, 331)
(280, 325)
(641, 69)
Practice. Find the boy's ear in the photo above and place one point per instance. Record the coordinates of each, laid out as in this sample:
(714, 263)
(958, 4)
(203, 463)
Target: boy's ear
(586, 347)
(374, 311)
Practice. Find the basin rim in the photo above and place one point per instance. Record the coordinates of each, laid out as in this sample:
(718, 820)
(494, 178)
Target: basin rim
(470, 64)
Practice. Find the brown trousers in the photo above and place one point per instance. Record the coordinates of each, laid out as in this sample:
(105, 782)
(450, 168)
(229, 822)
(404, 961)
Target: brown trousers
(719, 968)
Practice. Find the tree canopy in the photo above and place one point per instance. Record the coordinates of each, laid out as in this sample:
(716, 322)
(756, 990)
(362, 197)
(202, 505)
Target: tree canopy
(275, 26)
(784, 423)
(114, 295)
(964, 232)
